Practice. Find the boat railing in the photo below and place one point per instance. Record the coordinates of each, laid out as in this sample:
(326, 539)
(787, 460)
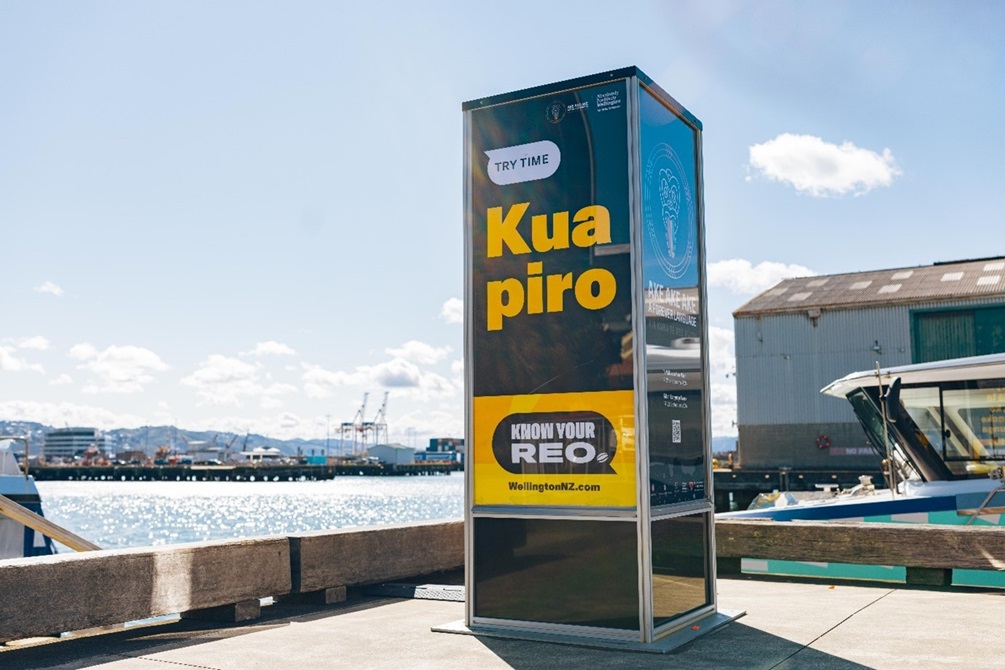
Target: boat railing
(986, 507)
(40, 524)
(36, 522)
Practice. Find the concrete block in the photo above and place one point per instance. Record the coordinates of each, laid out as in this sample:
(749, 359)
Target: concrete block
(66, 592)
(330, 596)
(325, 559)
(929, 577)
(246, 610)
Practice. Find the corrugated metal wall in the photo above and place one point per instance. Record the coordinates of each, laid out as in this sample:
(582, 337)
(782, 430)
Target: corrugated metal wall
(783, 360)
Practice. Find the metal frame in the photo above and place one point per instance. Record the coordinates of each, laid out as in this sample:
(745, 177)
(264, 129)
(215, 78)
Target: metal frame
(643, 529)
(469, 373)
(643, 514)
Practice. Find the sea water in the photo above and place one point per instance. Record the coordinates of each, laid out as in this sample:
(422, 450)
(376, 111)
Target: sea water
(117, 514)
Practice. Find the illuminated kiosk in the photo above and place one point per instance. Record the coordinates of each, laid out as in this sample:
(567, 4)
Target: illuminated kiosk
(589, 509)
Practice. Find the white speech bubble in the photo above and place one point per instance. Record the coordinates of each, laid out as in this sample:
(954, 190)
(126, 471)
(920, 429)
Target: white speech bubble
(523, 162)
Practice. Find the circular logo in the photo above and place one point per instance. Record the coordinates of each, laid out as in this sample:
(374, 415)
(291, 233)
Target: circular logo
(668, 211)
(555, 111)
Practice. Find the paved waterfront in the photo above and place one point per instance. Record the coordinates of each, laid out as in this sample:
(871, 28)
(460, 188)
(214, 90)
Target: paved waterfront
(786, 626)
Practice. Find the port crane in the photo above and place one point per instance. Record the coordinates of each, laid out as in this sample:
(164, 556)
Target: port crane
(359, 431)
(380, 422)
(351, 430)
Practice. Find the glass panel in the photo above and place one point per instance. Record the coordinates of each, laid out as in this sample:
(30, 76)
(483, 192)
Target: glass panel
(671, 267)
(975, 419)
(551, 295)
(583, 573)
(680, 570)
(551, 272)
(866, 406)
(923, 405)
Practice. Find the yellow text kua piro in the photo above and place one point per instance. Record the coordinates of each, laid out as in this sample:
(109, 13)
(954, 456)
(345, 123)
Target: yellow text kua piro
(593, 289)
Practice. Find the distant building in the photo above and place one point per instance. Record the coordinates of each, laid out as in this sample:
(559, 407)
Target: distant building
(802, 334)
(438, 457)
(67, 443)
(442, 449)
(134, 456)
(446, 444)
(392, 454)
(259, 455)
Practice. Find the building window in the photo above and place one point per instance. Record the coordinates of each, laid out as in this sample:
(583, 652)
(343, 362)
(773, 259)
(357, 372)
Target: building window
(944, 334)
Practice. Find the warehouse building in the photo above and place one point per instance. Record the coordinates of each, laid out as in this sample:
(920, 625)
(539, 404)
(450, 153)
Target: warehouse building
(68, 443)
(802, 334)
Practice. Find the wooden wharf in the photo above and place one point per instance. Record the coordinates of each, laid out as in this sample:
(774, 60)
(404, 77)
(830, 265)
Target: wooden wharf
(325, 613)
(234, 473)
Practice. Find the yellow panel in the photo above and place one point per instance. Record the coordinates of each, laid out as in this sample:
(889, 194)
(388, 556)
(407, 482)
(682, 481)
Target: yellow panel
(563, 462)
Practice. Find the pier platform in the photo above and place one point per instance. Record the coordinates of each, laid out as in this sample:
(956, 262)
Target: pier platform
(235, 473)
(787, 625)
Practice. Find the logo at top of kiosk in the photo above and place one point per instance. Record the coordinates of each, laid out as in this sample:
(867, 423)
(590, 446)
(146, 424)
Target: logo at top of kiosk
(523, 162)
(555, 443)
(555, 111)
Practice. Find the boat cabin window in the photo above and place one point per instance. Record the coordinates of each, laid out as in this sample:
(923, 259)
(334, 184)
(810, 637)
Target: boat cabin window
(975, 419)
(963, 423)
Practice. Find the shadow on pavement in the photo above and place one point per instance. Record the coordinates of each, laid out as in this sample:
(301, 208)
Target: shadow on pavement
(93, 650)
(735, 646)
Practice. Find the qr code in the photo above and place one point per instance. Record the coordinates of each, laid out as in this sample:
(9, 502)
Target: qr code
(676, 431)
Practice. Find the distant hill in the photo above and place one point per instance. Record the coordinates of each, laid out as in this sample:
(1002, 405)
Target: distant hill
(148, 438)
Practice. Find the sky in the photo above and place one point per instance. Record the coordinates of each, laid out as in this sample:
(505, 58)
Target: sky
(244, 216)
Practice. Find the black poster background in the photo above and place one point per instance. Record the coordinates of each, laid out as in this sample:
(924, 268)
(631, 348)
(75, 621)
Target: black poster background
(576, 350)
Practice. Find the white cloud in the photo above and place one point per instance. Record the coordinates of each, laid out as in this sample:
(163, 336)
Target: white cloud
(416, 427)
(318, 382)
(419, 352)
(741, 276)
(83, 351)
(722, 367)
(453, 311)
(221, 380)
(721, 352)
(288, 421)
(270, 348)
(11, 363)
(38, 342)
(405, 376)
(821, 169)
(62, 414)
(50, 288)
(117, 369)
(62, 380)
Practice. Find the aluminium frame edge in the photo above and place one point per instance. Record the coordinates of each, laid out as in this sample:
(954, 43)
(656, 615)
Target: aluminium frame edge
(640, 381)
(469, 389)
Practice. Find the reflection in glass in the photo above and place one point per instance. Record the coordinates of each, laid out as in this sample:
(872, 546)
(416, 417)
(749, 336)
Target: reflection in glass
(574, 572)
(680, 571)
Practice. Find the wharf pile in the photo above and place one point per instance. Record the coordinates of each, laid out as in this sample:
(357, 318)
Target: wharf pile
(235, 473)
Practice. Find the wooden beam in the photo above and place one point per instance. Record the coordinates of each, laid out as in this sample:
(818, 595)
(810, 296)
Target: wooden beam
(26, 517)
(911, 545)
(102, 588)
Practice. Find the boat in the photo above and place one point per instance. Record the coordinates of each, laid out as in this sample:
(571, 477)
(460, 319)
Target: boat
(17, 540)
(939, 429)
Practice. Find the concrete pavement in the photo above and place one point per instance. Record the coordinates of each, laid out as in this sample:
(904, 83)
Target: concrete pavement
(787, 626)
